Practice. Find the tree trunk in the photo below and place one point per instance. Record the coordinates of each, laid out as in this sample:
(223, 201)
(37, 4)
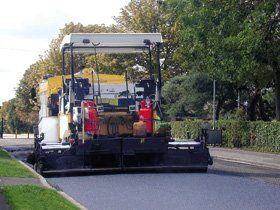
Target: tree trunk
(263, 115)
(277, 89)
(253, 105)
(218, 109)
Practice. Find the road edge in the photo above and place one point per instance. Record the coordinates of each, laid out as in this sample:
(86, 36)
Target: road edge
(47, 185)
(245, 162)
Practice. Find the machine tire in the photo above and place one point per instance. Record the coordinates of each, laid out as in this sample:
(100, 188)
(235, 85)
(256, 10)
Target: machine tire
(31, 158)
(210, 161)
(38, 167)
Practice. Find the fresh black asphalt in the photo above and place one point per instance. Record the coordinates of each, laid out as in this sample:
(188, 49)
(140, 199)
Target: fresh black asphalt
(225, 186)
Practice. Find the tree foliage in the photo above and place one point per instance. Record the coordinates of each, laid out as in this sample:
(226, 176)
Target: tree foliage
(153, 16)
(232, 40)
(191, 95)
(13, 118)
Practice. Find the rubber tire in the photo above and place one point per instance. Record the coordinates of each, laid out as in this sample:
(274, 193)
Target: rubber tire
(210, 161)
(30, 158)
(38, 167)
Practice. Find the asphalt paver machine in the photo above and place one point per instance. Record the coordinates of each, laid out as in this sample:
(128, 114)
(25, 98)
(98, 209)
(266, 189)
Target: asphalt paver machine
(90, 122)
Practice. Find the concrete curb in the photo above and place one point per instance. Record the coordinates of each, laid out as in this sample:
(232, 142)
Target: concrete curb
(246, 162)
(47, 185)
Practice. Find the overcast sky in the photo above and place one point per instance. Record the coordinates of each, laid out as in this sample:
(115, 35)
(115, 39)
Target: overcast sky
(27, 27)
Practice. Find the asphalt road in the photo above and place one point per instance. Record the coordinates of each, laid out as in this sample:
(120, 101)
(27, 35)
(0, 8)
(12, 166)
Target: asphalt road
(226, 186)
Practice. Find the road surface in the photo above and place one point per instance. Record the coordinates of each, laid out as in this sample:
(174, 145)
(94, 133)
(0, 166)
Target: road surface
(227, 186)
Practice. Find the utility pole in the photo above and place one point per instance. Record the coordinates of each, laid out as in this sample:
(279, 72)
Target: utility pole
(2, 128)
(238, 100)
(2, 125)
(214, 104)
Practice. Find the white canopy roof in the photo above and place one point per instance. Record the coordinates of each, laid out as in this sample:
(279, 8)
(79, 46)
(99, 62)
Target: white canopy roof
(110, 42)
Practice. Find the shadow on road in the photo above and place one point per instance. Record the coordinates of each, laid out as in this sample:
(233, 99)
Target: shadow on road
(226, 168)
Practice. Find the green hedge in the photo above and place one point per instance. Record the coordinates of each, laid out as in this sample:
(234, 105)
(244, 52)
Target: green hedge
(186, 129)
(259, 136)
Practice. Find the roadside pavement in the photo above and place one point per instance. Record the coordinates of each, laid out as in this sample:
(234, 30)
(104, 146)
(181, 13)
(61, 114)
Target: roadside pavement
(248, 157)
(16, 142)
(20, 181)
(3, 203)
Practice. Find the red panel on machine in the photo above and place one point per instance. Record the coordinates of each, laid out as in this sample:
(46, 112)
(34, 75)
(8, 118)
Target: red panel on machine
(146, 114)
(90, 116)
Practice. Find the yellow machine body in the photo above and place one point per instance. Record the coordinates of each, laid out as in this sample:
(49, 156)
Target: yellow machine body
(53, 84)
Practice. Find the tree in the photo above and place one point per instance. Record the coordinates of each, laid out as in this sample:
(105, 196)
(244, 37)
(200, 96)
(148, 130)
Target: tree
(187, 95)
(150, 16)
(222, 39)
(260, 42)
(10, 114)
(190, 95)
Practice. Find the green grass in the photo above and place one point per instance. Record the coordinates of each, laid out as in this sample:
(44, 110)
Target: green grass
(29, 197)
(4, 154)
(11, 168)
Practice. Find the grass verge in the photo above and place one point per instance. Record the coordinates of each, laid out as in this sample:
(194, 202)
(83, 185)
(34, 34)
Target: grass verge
(29, 197)
(12, 168)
